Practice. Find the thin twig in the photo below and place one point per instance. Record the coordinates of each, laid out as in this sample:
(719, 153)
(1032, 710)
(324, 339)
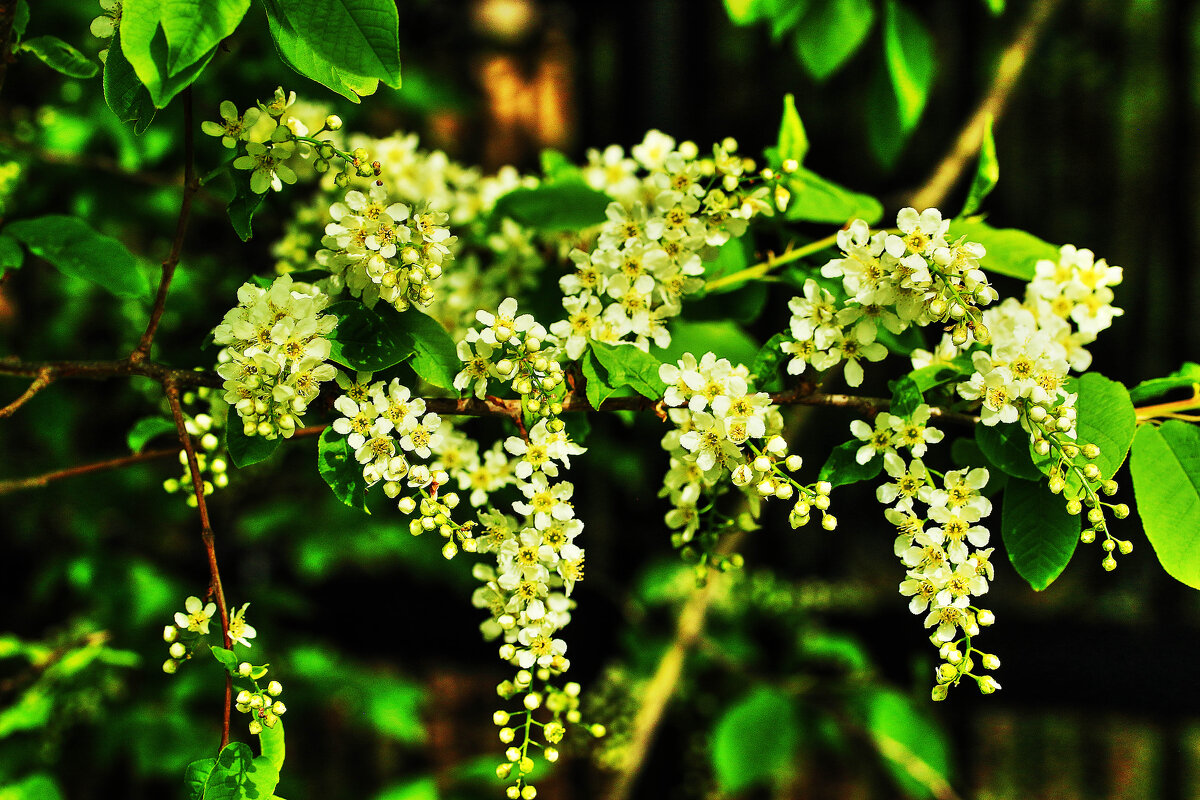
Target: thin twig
(206, 534)
(43, 379)
(190, 186)
(38, 481)
(1008, 72)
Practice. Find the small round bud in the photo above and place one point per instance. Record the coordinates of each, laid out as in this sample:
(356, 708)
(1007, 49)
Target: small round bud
(937, 308)
(1125, 546)
(1042, 447)
(793, 462)
(255, 727)
(274, 688)
(982, 334)
(1074, 507)
(532, 701)
(790, 165)
(1087, 536)
(500, 717)
(245, 668)
(449, 550)
(529, 791)
(940, 692)
(512, 793)
(526, 765)
(1037, 413)
(597, 730)
(407, 505)
(256, 701)
(507, 735)
(513, 754)
(1095, 515)
(171, 485)
(985, 617)
(991, 661)
(550, 754)
(1109, 564)
(524, 678)
(785, 491)
(170, 633)
(988, 684)
(170, 666)
(946, 673)
(828, 522)
(1108, 545)
(279, 708)
(177, 650)
(762, 464)
(1091, 451)
(503, 771)
(1091, 472)
(507, 652)
(1056, 485)
(821, 502)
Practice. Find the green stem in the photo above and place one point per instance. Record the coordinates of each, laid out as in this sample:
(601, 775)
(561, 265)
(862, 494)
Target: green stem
(760, 270)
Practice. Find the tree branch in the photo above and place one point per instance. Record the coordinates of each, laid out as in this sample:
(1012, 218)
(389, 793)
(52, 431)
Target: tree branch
(1008, 72)
(43, 379)
(38, 481)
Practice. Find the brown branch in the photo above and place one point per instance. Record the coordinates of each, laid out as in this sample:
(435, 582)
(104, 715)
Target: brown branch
(43, 379)
(190, 186)
(206, 534)
(104, 370)
(38, 481)
(1008, 72)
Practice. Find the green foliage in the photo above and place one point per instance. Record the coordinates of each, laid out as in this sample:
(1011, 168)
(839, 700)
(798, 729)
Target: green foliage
(1187, 376)
(1165, 465)
(766, 365)
(60, 56)
(906, 396)
(793, 141)
(243, 205)
(817, 199)
(298, 54)
(1007, 448)
(725, 339)
(831, 32)
(1105, 418)
(361, 37)
(362, 339)
(987, 173)
(71, 245)
(339, 469)
(936, 375)
(154, 40)
(755, 740)
(146, 429)
(914, 749)
(236, 775)
(389, 703)
(434, 357)
(595, 376)
(841, 468)
(196, 777)
(565, 205)
(909, 53)
(227, 659)
(123, 90)
(629, 366)
(1039, 535)
(246, 450)
(1010, 251)
(11, 254)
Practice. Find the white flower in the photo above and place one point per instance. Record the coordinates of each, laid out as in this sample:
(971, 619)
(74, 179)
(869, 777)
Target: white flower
(267, 163)
(234, 129)
(197, 617)
(240, 631)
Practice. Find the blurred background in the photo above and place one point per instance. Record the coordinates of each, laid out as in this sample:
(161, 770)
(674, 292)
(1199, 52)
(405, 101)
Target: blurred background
(389, 686)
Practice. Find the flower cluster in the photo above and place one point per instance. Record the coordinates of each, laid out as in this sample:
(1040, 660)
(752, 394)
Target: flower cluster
(916, 277)
(274, 359)
(723, 429)
(514, 348)
(211, 458)
(261, 703)
(672, 210)
(947, 563)
(387, 251)
(193, 623)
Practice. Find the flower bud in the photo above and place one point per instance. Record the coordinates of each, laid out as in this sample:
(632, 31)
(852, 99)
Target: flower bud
(333, 122)
(828, 522)
(170, 633)
(532, 701)
(170, 666)
(274, 688)
(244, 669)
(988, 684)
(507, 735)
(528, 791)
(991, 661)
(793, 462)
(1109, 564)
(177, 650)
(500, 717)
(255, 727)
(985, 617)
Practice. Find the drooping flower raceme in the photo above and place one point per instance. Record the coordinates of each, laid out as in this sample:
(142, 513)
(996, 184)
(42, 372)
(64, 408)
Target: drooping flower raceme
(274, 359)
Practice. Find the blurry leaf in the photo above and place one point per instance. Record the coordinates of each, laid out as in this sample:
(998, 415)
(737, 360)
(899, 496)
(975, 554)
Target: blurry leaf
(987, 173)
(434, 357)
(782, 16)
(297, 54)
(1039, 535)
(38, 786)
(724, 339)
(1186, 376)
(197, 776)
(33, 710)
(966, 454)
(557, 167)
(363, 340)
(743, 12)
(11, 254)
(390, 704)
(244, 204)
(1010, 251)
(561, 206)
(839, 648)
(361, 37)
(886, 136)
(20, 20)
(815, 199)
(419, 789)
(124, 92)
(906, 396)
(913, 747)
(629, 366)
(995, 6)
(831, 32)
(1165, 465)
(146, 429)
(755, 740)
(246, 450)
(1007, 446)
(793, 141)
(768, 362)
(909, 52)
(75, 249)
(902, 343)
(144, 41)
(238, 775)
(842, 468)
(394, 709)
(340, 469)
(61, 57)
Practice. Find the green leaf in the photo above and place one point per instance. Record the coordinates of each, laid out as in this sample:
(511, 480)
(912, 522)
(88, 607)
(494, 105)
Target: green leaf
(936, 375)
(831, 32)
(561, 206)
(194, 27)
(995, 6)
(743, 12)
(124, 92)
(146, 429)
(363, 340)
(434, 357)
(842, 469)
(61, 57)
(1007, 447)
(1187, 376)
(1039, 535)
(339, 469)
(75, 249)
(914, 749)
(238, 775)
(272, 745)
(755, 740)
(793, 141)
(1165, 466)
(841, 649)
(966, 454)
(767, 364)
(20, 20)
(196, 777)
(244, 204)
(11, 254)
(299, 56)
(144, 41)
(227, 658)
(733, 256)
(782, 15)
(906, 396)
(987, 173)
(886, 136)
(909, 52)
(361, 37)
(724, 339)
(628, 366)
(1106, 418)
(420, 789)
(1010, 251)
(38, 786)
(595, 377)
(246, 450)
(33, 710)
(816, 199)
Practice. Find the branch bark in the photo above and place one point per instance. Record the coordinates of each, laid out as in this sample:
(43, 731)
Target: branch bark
(43, 379)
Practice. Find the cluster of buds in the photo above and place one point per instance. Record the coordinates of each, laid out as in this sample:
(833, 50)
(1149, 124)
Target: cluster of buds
(436, 512)
(956, 666)
(211, 461)
(261, 703)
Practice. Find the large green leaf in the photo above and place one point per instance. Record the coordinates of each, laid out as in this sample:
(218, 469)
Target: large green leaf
(339, 469)
(75, 249)
(145, 41)
(124, 92)
(196, 777)
(565, 205)
(294, 51)
(272, 745)
(831, 32)
(909, 53)
(363, 340)
(914, 749)
(1007, 447)
(816, 199)
(193, 27)
(243, 205)
(906, 396)
(842, 468)
(359, 36)
(1185, 377)
(60, 56)
(755, 740)
(238, 775)
(11, 254)
(766, 367)
(723, 339)
(1039, 535)
(1165, 465)
(629, 366)
(596, 386)
(246, 450)
(987, 172)
(1010, 251)
(434, 357)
